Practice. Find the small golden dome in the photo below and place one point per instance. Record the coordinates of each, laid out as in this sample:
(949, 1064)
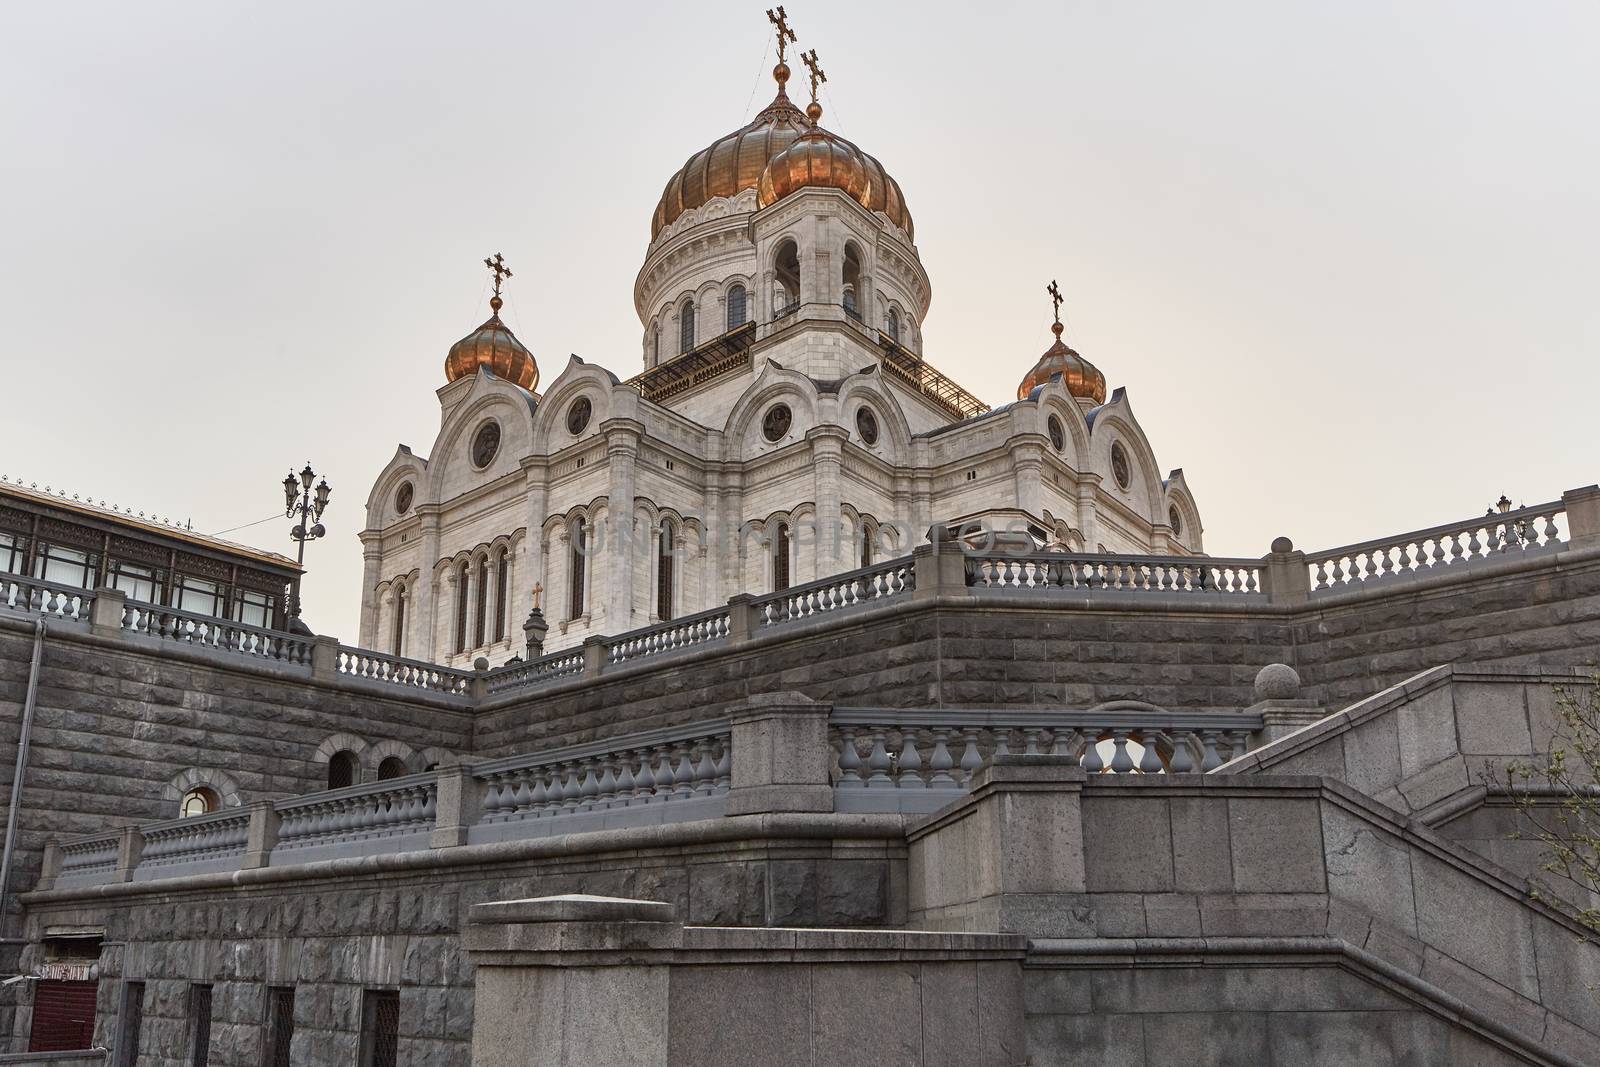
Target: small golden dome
(1083, 379)
(492, 345)
(819, 160)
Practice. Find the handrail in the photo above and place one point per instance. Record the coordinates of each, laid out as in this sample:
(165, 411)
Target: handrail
(397, 670)
(879, 581)
(668, 636)
(1010, 571)
(188, 627)
(34, 596)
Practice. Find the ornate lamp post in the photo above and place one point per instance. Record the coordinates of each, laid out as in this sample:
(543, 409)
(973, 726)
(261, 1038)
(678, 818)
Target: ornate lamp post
(300, 499)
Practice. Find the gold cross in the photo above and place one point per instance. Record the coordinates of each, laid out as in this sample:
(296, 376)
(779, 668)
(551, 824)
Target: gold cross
(1055, 298)
(497, 266)
(785, 34)
(817, 75)
(538, 590)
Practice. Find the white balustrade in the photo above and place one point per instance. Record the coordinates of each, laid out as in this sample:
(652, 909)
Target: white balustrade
(170, 624)
(34, 597)
(564, 664)
(999, 569)
(700, 629)
(882, 581)
(1497, 535)
(413, 674)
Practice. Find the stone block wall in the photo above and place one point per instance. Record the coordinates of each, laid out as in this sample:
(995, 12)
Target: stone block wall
(334, 929)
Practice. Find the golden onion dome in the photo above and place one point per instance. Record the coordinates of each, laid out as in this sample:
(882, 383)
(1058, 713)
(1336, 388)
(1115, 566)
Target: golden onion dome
(736, 162)
(732, 164)
(1083, 379)
(494, 346)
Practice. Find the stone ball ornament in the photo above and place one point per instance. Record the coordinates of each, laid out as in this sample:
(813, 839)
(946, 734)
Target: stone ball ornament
(1277, 681)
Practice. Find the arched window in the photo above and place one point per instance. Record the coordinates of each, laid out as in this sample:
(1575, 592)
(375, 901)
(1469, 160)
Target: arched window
(392, 767)
(869, 534)
(665, 561)
(655, 344)
(852, 281)
(463, 577)
(342, 769)
(786, 269)
(686, 326)
(736, 307)
(399, 618)
(894, 325)
(480, 631)
(201, 800)
(502, 582)
(780, 557)
(579, 557)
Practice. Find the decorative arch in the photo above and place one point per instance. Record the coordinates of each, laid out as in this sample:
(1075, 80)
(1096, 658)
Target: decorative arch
(512, 408)
(775, 382)
(220, 782)
(375, 755)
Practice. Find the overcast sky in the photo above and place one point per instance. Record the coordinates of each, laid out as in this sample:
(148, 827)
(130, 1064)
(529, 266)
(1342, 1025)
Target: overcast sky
(1342, 256)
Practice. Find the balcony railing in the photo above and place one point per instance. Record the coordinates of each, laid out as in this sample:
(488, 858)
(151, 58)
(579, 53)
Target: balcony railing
(1540, 528)
(1053, 572)
(208, 631)
(32, 596)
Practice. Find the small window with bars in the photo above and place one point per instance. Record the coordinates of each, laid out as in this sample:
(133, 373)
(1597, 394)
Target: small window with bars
(380, 1028)
(199, 1025)
(280, 1026)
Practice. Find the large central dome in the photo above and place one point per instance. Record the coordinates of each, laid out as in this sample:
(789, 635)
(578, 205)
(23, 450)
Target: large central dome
(734, 163)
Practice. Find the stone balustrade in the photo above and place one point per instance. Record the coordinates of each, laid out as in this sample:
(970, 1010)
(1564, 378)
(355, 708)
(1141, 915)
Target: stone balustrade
(379, 816)
(396, 670)
(699, 629)
(661, 776)
(219, 836)
(918, 760)
(1049, 572)
(1540, 528)
(866, 585)
(191, 628)
(32, 596)
(87, 860)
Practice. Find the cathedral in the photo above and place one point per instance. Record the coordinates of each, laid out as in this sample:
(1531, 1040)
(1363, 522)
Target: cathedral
(785, 425)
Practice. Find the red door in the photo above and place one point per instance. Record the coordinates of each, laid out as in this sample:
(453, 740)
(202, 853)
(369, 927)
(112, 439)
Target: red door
(63, 1016)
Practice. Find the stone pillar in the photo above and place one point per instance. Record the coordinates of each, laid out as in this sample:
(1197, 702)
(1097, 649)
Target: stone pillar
(1583, 514)
(1027, 465)
(622, 453)
(827, 448)
(324, 658)
(594, 656)
(50, 867)
(105, 615)
(781, 756)
(1284, 574)
(741, 618)
(458, 797)
(940, 566)
(371, 575)
(130, 847)
(1009, 857)
(262, 836)
(1088, 511)
(424, 621)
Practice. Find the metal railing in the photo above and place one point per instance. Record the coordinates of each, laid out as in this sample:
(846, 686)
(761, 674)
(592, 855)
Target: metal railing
(1538, 528)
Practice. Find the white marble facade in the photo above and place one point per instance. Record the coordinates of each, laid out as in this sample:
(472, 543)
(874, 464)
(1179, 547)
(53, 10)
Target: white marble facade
(825, 283)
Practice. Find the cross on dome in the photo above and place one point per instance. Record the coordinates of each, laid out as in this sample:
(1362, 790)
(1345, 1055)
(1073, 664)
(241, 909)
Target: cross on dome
(1055, 298)
(785, 34)
(497, 267)
(818, 77)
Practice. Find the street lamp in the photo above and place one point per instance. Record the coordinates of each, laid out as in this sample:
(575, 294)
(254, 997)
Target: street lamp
(300, 499)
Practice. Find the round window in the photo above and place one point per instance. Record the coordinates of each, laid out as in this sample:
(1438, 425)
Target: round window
(485, 443)
(578, 415)
(1058, 433)
(402, 499)
(867, 425)
(1119, 466)
(1175, 521)
(777, 421)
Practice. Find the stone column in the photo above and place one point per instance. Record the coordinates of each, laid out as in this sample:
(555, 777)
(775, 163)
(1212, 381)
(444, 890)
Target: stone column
(622, 454)
(1088, 512)
(1284, 574)
(371, 575)
(940, 565)
(1027, 465)
(458, 796)
(827, 448)
(781, 755)
(1583, 514)
(425, 605)
(261, 837)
